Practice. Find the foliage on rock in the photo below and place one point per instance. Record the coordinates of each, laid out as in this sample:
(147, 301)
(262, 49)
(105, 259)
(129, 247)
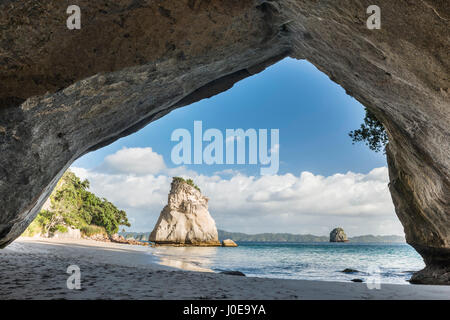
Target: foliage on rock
(73, 205)
(371, 132)
(188, 181)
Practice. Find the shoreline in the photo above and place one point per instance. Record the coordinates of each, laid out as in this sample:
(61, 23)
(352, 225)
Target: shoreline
(36, 269)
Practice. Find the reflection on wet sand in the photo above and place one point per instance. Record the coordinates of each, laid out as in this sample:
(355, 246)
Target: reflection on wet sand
(186, 258)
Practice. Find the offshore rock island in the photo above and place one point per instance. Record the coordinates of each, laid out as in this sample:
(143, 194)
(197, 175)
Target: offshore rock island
(185, 219)
(338, 235)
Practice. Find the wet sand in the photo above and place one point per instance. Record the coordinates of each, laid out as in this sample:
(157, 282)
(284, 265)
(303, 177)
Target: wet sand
(36, 269)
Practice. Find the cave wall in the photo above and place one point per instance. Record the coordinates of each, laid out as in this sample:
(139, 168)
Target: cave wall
(67, 92)
(401, 73)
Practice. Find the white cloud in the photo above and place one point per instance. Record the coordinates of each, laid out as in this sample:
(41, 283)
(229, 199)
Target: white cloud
(227, 172)
(137, 161)
(138, 181)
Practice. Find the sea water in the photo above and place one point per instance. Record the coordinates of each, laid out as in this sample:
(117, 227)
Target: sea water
(386, 262)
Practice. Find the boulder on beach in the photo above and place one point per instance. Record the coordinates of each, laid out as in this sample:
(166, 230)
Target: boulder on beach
(229, 243)
(338, 235)
(185, 219)
(234, 273)
(117, 238)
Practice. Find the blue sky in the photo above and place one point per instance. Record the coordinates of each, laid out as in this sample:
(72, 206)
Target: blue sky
(324, 181)
(313, 114)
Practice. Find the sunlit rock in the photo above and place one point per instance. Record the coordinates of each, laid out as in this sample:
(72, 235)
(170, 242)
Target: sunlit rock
(185, 219)
(229, 243)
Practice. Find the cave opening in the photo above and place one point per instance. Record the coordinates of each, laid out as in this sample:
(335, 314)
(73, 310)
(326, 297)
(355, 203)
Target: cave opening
(323, 180)
(82, 90)
(314, 117)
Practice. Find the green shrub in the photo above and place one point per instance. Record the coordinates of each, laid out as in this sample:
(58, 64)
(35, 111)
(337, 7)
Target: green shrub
(33, 229)
(61, 228)
(91, 230)
(73, 205)
(188, 181)
(178, 179)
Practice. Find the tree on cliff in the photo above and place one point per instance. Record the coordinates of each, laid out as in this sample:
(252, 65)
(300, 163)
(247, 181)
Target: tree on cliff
(73, 205)
(371, 132)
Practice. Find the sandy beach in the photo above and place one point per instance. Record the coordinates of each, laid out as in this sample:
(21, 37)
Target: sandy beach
(36, 269)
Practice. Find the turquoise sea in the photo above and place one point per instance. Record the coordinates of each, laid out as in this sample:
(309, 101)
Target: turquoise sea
(389, 263)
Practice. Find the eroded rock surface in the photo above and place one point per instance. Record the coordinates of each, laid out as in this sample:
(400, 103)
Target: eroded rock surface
(185, 220)
(65, 92)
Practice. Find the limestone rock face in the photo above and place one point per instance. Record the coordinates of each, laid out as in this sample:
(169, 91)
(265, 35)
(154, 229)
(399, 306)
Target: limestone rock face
(229, 243)
(185, 219)
(338, 235)
(64, 93)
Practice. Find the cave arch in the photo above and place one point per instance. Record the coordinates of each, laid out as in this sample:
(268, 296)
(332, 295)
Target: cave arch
(64, 92)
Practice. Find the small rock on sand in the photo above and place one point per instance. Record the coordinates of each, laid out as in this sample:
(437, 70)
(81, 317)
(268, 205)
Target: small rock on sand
(234, 273)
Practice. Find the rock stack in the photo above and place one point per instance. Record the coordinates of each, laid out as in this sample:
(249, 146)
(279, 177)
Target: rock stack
(338, 235)
(185, 219)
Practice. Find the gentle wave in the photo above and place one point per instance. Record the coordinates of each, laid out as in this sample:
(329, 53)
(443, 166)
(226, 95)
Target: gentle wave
(386, 263)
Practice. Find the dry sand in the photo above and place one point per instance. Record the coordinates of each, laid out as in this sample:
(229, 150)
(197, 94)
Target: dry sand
(36, 269)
